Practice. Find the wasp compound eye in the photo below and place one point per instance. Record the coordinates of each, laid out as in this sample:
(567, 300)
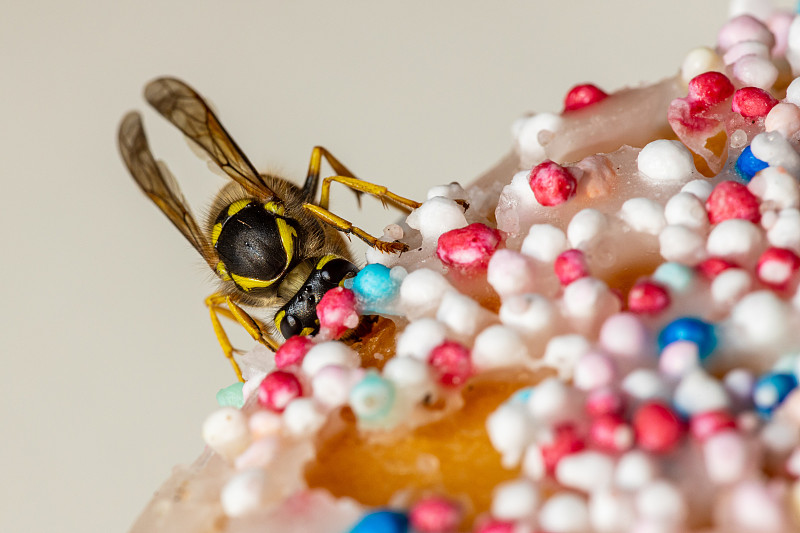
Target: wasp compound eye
(290, 326)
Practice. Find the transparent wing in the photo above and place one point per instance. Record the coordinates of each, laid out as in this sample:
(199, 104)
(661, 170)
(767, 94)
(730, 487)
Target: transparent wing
(187, 110)
(159, 184)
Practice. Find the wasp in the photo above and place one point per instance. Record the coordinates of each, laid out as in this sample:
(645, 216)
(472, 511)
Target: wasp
(270, 243)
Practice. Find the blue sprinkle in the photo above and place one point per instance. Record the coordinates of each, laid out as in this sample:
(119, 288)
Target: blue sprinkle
(382, 522)
(231, 396)
(375, 288)
(770, 391)
(521, 396)
(689, 329)
(748, 165)
(677, 277)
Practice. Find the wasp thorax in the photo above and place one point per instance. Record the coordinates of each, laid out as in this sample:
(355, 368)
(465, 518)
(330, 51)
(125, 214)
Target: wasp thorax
(255, 244)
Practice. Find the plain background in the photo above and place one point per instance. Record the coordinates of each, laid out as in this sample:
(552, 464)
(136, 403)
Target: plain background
(109, 362)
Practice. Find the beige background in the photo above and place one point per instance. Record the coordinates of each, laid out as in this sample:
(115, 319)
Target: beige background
(109, 363)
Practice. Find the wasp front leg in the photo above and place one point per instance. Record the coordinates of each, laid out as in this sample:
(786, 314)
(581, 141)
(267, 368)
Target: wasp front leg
(219, 304)
(345, 226)
(378, 191)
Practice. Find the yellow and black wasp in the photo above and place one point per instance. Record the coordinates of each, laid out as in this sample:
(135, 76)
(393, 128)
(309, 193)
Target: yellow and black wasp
(269, 242)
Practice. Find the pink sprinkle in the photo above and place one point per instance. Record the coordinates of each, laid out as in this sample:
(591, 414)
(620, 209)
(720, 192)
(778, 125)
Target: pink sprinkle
(710, 88)
(610, 433)
(552, 184)
(337, 311)
(657, 427)
(435, 515)
(468, 248)
(648, 297)
(731, 199)
(452, 363)
(714, 266)
(602, 402)
(570, 265)
(584, 95)
(293, 351)
(566, 441)
(752, 102)
(495, 526)
(278, 389)
(704, 425)
(777, 266)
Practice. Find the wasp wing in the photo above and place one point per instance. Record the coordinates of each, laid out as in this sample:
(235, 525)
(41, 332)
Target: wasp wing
(187, 110)
(159, 184)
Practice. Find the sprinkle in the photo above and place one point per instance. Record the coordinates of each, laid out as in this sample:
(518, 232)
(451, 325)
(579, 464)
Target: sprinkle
(771, 390)
(657, 427)
(420, 337)
(593, 370)
(329, 353)
(566, 441)
(337, 312)
(529, 137)
(679, 278)
(760, 318)
(332, 384)
(713, 267)
(242, 493)
(585, 226)
(544, 242)
(435, 515)
(689, 329)
(747, 165)
(701, 188)
(736, 240)
(680, 244)
(710, 88)
(231, 396)
(635, 469)
(755, 71)
(775, 149)
(376, 287)
(644, 215)
(495, 526)
(570, 265)
(452, 363)
(700, 60)
(468, 248)
(435, 217)
(610, 433)
(752, 102)
(731, 200)
(225, 431)
(278, 389)
(382, 521)
(498, 346)
(699, 392)
(776, 189)
(421, 292)
(292, 351)
(514, 500)
(601, 402)
(587, 471)
(582, 96)
(784, 118)
(509, 273)
(563, 351)
(532, 315)
(411, 378)
(644, 384)
(785, 231)
(648, 297)
(624, 335)
(661, 501)
(552, 184)
(777, 267)
(702, 426)
(564, 513)
(687, 210)
(744, 28)
(665, 160)
(678, 358)
(372, 398)
(510, 431)
(463, 315)
(302, 417)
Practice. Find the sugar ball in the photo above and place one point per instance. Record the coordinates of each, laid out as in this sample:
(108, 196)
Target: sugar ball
(665, 160)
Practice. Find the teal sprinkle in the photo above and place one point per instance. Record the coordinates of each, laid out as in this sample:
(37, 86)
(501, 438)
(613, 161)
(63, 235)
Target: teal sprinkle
(372, 398)
(375, 288)
(231, 396)
(675, 276)
(521, 396)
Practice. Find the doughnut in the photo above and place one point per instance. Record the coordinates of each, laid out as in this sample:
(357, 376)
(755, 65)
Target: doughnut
(601, 334)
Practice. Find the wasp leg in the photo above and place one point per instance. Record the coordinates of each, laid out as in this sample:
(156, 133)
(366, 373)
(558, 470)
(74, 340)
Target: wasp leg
(312, 178)
(378, 191)
(216, 304)
(346, 226)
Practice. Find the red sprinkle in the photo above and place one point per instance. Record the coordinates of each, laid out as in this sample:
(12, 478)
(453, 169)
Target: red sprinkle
(278, 389)
(601, 402)
(704, 425)
(731, 199)
(468, 248)
(566, 441)
(611, 433)
(714, 266)
(648, 297)
(552, 184)
(570, 265)
(752, 102)
(777, 267)
(452, 362)
(658, 429)
(435, 515)
(337, 311)
(584, 95)
(292, 351)
(495, 526)
(710, 88)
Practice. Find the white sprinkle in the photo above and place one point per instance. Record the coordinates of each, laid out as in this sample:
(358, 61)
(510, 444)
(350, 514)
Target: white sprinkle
(661, 501)
(635, 469)
(420, 337)
(587, 471)
(699, 392)
(594, 370)
(510, 431)
(611, 512)
(586, 225)
(725, 456)
(564, 513)
(682, 244)
(755, 71)
(498, 346)
(760, 318)
(515, 500)
(329, 353)
(332, 384)
(687, 210)
(783, 118)
(665, 160)
(780, 436)
(563, 352)
(242, 493)
(730, 286)
(773, 148)
(739, 383)
(544, 242)
(745, 48)
(509, 273)
(453, 191)
(533, 463)
(755, 507)
(738, 240)
(550, 401)
(785, 230)
(259, 454)
(529, 314)
(421, 292)
(264, 423)
(776, 188)
(645, 384)
(301, 417)
(436, 216)
(701, 188)
(624, 335)
(679, 358)
(589, 298)
(411, 377)
(225, 431)
(529, 138)
(644, 215)
(463, 315)
(699, 61)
